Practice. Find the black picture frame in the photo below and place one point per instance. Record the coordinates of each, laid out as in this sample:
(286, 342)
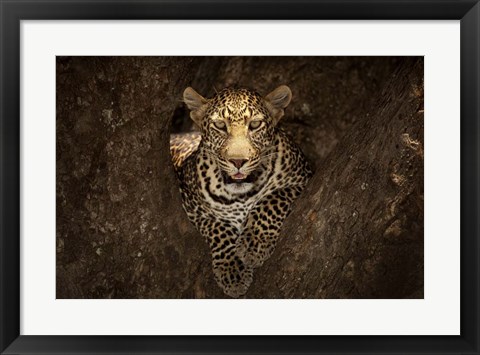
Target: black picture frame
(13, 11)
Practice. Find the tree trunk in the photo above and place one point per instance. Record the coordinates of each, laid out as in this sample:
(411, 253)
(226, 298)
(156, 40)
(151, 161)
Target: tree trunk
(356, 232)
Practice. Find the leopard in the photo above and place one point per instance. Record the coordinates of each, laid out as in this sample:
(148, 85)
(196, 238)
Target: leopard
(239, 175)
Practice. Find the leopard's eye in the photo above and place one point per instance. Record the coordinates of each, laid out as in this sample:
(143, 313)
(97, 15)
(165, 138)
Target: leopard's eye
(255, 124)
(220, 125)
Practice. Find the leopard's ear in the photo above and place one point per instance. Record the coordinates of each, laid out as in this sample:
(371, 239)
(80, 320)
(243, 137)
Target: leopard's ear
(196, 103)
(278, 100)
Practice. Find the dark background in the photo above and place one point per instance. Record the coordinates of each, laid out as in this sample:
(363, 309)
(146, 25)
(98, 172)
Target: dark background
(357, 231)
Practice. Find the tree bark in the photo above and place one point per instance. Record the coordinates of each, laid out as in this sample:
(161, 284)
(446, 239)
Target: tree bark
(356, 232)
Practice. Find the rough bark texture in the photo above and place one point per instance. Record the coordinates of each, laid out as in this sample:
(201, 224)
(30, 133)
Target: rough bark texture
(357, 231)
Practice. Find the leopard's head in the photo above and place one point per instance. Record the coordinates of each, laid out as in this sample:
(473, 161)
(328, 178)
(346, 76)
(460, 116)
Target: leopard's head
(238, 127)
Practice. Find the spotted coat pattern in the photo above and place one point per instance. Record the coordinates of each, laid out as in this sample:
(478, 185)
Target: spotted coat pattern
(238, 178)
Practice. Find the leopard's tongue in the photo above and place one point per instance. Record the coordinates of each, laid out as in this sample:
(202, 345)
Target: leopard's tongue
(239, 176)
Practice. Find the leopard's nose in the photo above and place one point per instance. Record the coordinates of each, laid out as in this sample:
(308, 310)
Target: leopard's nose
(238, 162)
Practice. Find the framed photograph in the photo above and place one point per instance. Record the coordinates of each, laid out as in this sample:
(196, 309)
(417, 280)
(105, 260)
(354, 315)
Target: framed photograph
(239, 177)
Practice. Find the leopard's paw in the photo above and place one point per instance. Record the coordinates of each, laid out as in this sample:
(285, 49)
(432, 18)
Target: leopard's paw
(242, 246)
(257, 254)
(234, 279)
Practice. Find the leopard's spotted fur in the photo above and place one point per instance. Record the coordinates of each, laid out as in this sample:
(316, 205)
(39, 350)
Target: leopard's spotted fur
(238, 178)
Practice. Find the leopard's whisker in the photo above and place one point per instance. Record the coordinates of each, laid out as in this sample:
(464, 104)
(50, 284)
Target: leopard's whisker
(266, 150)
(268, 155)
